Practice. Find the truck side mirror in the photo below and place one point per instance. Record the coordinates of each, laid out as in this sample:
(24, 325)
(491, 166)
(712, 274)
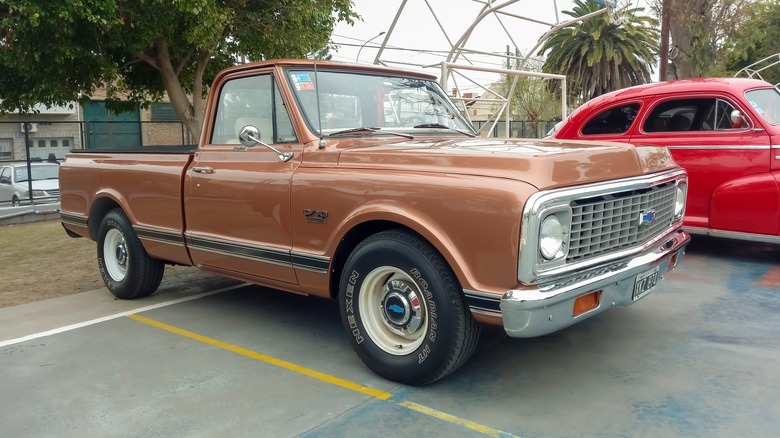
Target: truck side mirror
(249, 136)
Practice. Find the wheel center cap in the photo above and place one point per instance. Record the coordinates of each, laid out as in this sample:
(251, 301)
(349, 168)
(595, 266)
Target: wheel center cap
(401, 307)
(396, 308)
(121, 254)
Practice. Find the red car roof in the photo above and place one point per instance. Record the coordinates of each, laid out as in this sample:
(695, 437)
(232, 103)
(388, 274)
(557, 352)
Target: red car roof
(734, 85)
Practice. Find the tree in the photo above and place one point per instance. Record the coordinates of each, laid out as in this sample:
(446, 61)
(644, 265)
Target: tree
(699, 29)
(757, 38)
(532, 101)
(599, 56)
(52, 52)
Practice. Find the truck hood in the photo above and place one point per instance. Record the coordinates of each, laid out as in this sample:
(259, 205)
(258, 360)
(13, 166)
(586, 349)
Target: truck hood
(544, 164)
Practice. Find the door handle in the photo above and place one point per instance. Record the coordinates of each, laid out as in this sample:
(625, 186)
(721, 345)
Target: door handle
(204, 169)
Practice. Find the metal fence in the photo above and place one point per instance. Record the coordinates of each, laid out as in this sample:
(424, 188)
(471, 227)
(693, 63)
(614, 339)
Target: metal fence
(26, 143)
(517, 129)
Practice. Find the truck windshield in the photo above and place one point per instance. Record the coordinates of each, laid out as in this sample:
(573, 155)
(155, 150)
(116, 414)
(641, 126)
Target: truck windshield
(337, 101)
(766, 101)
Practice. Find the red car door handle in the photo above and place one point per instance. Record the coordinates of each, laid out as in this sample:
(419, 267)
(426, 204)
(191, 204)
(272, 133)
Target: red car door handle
(203, 169)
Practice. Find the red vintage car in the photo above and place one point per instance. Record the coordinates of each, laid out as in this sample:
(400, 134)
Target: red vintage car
(724, 132)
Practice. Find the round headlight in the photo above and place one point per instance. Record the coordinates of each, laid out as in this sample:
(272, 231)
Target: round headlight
(551, 237)
(679, 202)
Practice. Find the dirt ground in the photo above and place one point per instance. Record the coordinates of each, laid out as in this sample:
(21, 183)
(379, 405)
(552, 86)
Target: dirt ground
(39, 261)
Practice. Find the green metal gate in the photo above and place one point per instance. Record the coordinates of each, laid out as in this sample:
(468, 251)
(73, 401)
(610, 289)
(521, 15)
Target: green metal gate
(105, 129)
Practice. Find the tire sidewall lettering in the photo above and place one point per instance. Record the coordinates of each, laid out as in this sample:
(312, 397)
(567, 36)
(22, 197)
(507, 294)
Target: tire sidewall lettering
(433, 326)
(350, 307)
(434, 349)
(355, 323)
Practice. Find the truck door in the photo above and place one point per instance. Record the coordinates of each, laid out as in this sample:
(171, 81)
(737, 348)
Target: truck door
(237, 198)
(727, 162)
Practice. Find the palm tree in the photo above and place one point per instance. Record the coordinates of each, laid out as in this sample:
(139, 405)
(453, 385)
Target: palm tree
(599, 56)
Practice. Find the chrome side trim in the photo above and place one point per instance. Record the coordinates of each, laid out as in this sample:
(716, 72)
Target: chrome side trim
(159, 235)
(249, 252)
(310, 262)
(482, 302)
(73, 219)
(721, 147)
(274, 256)
(737, 235)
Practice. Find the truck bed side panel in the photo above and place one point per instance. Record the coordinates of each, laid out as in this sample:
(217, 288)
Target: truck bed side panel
(146, 186)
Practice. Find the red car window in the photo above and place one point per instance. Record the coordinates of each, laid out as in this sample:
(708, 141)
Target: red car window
(615, 120)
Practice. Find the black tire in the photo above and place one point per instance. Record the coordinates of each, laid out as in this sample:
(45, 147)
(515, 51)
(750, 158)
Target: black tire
(410, 341)
(125, 266)
(15, 202)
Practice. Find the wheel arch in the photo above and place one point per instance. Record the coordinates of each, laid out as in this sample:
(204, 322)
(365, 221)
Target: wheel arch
(100, 208)
(361, 230)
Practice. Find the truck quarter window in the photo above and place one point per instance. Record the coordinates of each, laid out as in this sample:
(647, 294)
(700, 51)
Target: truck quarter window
(251, 101)
(616, 120)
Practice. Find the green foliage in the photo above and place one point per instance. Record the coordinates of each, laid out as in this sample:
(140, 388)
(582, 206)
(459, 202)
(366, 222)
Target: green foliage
(53, 52)
(757, 38)
(532, 101)
(599, 56)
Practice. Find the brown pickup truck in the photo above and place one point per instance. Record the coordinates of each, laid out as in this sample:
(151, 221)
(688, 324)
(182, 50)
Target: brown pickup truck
(366, 185)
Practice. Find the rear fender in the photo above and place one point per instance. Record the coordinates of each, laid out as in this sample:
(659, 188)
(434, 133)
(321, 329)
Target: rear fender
(104, 201)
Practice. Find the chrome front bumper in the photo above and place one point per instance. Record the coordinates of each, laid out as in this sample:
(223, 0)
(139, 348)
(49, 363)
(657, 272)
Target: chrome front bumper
(546, 308)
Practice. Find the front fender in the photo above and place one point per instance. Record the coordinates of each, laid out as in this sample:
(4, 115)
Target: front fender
(472, 220)
(750, 204)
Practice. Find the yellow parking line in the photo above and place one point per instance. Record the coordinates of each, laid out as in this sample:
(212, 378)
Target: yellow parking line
(485, 430)
(267, 359)
(381, 395)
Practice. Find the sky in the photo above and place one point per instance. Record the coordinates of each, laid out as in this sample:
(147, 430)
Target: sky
(417, 28)
(418, 37)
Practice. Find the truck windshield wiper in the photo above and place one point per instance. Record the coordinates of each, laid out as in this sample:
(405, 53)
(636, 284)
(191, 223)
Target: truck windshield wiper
(439, 125)
(366, 129)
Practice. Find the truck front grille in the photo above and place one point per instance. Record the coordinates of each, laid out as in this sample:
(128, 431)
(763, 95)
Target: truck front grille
(612, 222)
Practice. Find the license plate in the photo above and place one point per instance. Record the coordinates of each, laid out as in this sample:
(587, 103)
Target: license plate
(645, 283)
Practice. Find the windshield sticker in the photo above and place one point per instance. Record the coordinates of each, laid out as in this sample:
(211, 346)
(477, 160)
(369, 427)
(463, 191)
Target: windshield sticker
(304, 86)
(302, 81)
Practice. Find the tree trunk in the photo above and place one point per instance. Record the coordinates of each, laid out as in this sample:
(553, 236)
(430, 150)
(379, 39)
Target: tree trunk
(160, 59)
(197, 90)
(687, 29)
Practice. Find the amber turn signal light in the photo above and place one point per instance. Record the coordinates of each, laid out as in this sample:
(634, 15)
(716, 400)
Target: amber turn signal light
(586, 303)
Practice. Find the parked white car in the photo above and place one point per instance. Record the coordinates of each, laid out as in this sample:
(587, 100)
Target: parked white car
(15, 185)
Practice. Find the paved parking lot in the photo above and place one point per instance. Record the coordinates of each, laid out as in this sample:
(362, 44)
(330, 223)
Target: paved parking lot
(699, 357)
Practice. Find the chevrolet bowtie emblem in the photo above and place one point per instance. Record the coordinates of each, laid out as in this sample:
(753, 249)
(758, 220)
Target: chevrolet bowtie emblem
(646, 217)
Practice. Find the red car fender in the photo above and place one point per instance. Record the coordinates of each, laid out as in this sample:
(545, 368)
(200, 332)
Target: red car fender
(747, 204)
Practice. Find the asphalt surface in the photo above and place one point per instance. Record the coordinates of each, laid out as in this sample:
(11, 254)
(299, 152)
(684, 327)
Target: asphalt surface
(698, 357)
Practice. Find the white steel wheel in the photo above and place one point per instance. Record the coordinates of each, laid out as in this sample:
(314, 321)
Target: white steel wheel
(404, 310)
(126, 268)
(115, 254)
(393, 310)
